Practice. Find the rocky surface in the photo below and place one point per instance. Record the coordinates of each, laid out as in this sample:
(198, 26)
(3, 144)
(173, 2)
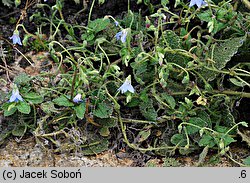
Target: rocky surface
(28, 153)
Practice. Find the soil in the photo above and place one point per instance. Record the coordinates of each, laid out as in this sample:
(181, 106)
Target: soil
(28, 153)
(25, 152)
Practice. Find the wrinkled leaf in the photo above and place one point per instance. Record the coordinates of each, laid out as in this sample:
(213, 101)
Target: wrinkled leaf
(99, 24)
(80, 110)
(196, 121)
(169, 99)
(104, 131)
(207, 140)
(106, 122)
(222, 53)
(63, 101)
(96, 147)
(19, 130)
(144, 134)
(33, 98)
(103, 110)
(228, 140)
(179, 139)
(23, 107)
(247, 161)
(9, 108)
(22, 79)
(237, 82)
(148, 111)
(48, 107)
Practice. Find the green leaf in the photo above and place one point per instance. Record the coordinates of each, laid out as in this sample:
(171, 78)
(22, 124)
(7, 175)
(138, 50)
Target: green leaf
(7, 2)
(106, 122)
(133, 103)
(184, 32)
(63, 101)
(9, 108)
(207, 140)
(99, 24)
(185, 79)
(247, 161)
(80, 110)
(179, 139)
(144, 96)
(196, 121)
(142, 69)
(222, 53)
(243, 123)
(23, 107)
(206, 117)
(77, 1)
(19, 130)
(189, 104)
(221, 129)
(186, 151)
(205, 16)
(3, 135)
(26, 39)
(171, 162)
(103, 110)
(144, 134)
(148, 111)
(101, 2)
(164, 2)
(237, 82)
(33, 98)
(170, 39)
(228, 140)
(169, 99)
(88, 37)
(48, 107)
(104, 131)
(96, 147)
(22, 79)
(10, 112)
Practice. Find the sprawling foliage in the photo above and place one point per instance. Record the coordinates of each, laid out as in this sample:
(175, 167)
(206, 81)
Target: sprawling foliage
(167, 79)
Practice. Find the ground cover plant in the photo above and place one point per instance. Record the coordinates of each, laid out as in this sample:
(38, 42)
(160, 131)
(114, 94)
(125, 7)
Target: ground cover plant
(159, 77)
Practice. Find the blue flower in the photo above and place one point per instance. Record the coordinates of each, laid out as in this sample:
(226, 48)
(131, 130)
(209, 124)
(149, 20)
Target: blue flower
(77, 98)
(126, 86)
(199, 3)
(15, 97)
(15, 38)
(122, 35)
(118, 35)
(116, 23)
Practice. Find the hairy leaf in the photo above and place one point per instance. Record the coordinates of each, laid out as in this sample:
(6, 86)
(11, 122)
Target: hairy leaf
(221, 53)
(148, 111)
(63, 101)
(103, 110)
(23, 107)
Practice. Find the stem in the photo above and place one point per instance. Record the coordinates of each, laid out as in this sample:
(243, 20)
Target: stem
(205, 128)
(233, 127)
(90, 11)
(73, 85)
(235, 160)
(127, 120)
(71, 57)
(247, 3)
(227, 92)
(24, 57)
